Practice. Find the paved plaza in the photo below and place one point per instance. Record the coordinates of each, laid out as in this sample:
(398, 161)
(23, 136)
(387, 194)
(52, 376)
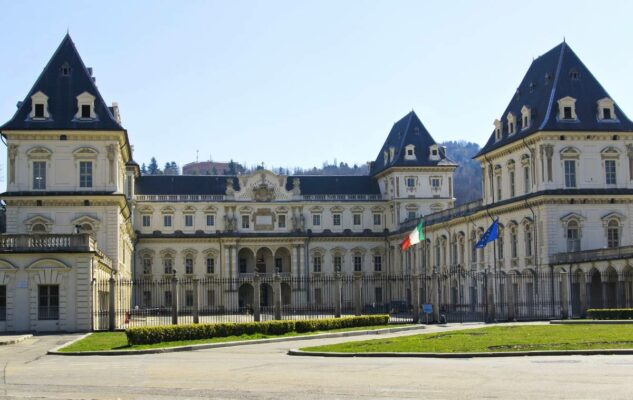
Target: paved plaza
(266, 372)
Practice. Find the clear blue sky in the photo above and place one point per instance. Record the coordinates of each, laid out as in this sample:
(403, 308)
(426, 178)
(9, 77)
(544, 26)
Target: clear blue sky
(296, 83)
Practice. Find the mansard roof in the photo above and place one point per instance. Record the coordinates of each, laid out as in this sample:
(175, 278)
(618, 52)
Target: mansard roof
(408, 131)
(557, 74)
(62, 91)
(216, 184)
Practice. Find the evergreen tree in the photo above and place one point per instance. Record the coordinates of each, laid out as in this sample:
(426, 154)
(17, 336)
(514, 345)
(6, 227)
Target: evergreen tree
(152, 168)
(143, 169)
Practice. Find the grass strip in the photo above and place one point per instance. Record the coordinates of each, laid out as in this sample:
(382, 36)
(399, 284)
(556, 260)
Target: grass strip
(497, 339)
(104, 341)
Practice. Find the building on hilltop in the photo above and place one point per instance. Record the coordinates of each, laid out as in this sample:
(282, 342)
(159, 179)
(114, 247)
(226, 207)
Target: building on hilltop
(86, 234)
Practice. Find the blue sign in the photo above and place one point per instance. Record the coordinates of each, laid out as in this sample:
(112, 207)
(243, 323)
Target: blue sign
(427, 308)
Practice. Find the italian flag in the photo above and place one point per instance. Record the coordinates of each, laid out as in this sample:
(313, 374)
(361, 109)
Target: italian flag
(415, 237)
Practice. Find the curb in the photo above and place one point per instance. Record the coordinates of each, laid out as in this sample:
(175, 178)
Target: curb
(204, 346)
(296, 352)
(592, 322)
(18, 339)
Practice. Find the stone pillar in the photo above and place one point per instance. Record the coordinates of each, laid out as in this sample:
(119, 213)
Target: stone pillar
(436, 297)
(196, 318)
(338, 283)
(490, 301)
(358, 307)
(294, 260)
(582, 289)
(174, 300)
(257, 298)
(565, 292)
(415, 297)
(277, 296)
(605, 288)
(302, 262)
(234, 261)
(621, 300)
(510, 298)
(226, 268)
(111, 304)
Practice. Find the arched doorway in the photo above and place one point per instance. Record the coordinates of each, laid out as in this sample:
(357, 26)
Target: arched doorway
(264, 261)
(610, 287)
(282, 260)
(266, 295)
(246, 261)
(595, 292)
(627, 276)
(245, 297)
(286, 294)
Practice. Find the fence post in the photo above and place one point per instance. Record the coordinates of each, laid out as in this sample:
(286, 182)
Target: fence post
(337, 295)
(490, 277)
(415, 297)
(436, 296)
(277, 296)
(196, 317)
(510, 297)
(565, 293)
(357, 295)
(257, 308)
(111, 304)
(174, 300)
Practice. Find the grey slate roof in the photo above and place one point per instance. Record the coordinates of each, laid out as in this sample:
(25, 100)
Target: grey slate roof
(62, 92)
(216, 184)
(408, 130)
(549, 79)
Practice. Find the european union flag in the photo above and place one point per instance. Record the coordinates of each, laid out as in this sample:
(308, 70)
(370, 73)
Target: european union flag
(490, 235)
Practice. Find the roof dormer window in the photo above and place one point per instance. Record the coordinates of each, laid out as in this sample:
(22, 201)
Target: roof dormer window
(65, 69)
(498, 127)
(386, 156)
(574, 74)
(511, 124)
(85, 106)
(409, 152)
(606, 109)
(434, 152)
(392, 153)
(526, 117)
(567, 109)
(39, 110)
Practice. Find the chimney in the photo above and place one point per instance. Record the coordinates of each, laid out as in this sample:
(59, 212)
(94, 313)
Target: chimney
(115, 112)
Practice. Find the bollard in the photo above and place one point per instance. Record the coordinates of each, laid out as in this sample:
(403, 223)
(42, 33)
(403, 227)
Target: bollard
(257, 308)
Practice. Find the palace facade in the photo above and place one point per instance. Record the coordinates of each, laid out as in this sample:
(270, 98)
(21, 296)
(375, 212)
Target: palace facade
(558, 173)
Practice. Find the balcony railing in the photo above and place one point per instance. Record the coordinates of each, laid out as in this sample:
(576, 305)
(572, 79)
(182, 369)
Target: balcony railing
(46, 242)
(615, 253)
(179, 197)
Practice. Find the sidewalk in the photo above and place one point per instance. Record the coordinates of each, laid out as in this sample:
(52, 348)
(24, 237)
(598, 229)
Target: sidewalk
(13, 339)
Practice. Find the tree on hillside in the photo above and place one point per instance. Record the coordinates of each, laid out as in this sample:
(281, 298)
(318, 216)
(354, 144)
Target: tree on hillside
(152, 168)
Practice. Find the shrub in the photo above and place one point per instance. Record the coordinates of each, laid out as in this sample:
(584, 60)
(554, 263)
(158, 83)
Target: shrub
(610, 313)
(172, 333)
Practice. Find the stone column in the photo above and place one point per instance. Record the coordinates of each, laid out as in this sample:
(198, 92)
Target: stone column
(234, 266)
(111, 304)
(227, 262)
(357, 295)
(196, 318)
(294, 260)
(277, 296)
(174, 300)
(257, 298)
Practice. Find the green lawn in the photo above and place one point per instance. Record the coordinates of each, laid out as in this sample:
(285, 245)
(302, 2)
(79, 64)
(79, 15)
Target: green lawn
(101, 341)
(498, 338)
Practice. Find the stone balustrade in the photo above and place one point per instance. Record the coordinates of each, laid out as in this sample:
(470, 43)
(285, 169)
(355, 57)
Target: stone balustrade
(615, 253)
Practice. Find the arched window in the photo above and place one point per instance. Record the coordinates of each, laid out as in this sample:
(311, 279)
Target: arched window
(528, 240)
(168, 264)
(500, 242)
(147, 264)
(189, 264)
(473, 249)
(38, 228)
(513, 242)
(573, 236)
(613, 234)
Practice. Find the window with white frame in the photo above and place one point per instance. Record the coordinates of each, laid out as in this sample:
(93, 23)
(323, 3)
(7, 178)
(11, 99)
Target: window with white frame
(500, 243)
(567, 108)
(377, 219)
(436, 182)
(210, 219)
(411, 215)
(610, 172)
(526, 116)
(85, 106)
(573, 236)
(167, 220)
(409, 152)
(606, 109)
(410, 182)
(39, 106)
(377, 263)
(48, 302)
(338, 263)
(512, 186)
(357, 219)
(85, 174)
(246, 224)
(511, 124)
(358, 263)
(147, 265)
(281, 221)
(528, 240)
(168, 264)
(147, 220)
(498, 130)
(39, 175)
(316, 219)
(210, 264)
(526, 179)
(613, 234)
(316, 262)
(189, 264)
(498, 187)
(513, 242)
(336, 219)
(188, 220)
(570, 173)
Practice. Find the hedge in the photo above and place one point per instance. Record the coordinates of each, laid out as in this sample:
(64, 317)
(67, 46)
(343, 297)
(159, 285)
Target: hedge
(610, 313)
(172, 333)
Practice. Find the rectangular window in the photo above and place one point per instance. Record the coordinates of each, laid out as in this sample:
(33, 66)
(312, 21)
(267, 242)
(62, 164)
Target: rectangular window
(357, 219)
(281, 222)
(498, 187)
(147, 266)
(377, 263)
(168, 265)
(147, 298)
(358, 263)
(570, 173)
(167, 298)
(188, 220)
(3, 302)
(188, 265)
(500, 246)
(316, 219)
(147, 220)
(39, 175)
(378, 295)
(316, 263)
(377, 219)
(48, 302)
(573, 239)
(245, 222)
(85, 111)
(336, 219)
(567, 113)
(242, 265)
(85, 174)
(410, 182)
(278, 265)
(188, 298)
(526, 179)
(411, 215)
(609, 169)
(167, 221)
(210, 220)
(511, 183)
(210, 265)
(528, 243)
(39, 110)
(338, 263)
(435, 183)
(606, 113)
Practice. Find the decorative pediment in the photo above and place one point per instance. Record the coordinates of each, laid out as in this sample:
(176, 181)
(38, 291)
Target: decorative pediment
(411, 207)
(527, 221)
(146, 253)
(525, 159)
(146, 210)
(168, 210)
(85, 153)
(316, 209)
(167, 253)
(245, 210)
(282, 210)
(336, 209)
(613, 215)
(570, 152)
(317, 251)
(378, 250)
(41, 223)
(357, 209)
(210, 253)
(189, 210)
(86, 219)
(189, 252)
(338, 251)
(377, 209)
(359, 250)
(39, 153)
(48, 264)
(610, 152)
(210, 210)
(572, 216)
(265, 186)
(6, 266)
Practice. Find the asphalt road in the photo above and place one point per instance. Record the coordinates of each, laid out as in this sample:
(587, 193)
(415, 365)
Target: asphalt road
(266, 372)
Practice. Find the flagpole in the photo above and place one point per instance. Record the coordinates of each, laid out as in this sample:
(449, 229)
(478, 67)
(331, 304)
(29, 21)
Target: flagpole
(495, 292)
